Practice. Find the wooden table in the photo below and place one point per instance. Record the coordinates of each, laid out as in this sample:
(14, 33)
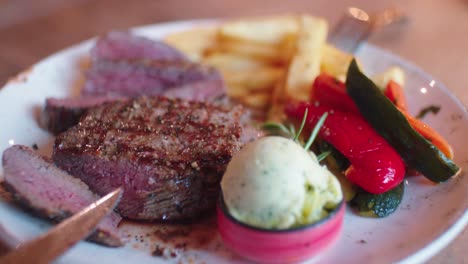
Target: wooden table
(436, 38)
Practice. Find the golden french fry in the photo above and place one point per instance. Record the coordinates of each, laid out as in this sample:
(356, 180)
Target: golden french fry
(235, 90)
(257, 100)
(194, 42)
(267, 38)
(261, 52)
(261, 79)
(276, 111)
(262, 30)
(232, 62)
(305, 65)
(335, 62)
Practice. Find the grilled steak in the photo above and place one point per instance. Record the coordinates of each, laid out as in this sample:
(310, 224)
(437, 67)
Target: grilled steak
(60, 114)
(52, 193)
(125, 65)
(168, 154)
(124, 45)
(144, 77)
(206, 91)
(128, 65)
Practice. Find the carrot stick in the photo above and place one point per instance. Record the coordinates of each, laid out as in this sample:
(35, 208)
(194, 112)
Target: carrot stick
(430, 134)
(395, 93)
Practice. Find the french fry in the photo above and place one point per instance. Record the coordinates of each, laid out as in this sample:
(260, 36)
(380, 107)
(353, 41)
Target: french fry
(276, 111)
(261, 79)
(260, 31)
(393, 73)
(261, 52)
(335, 62)
(267, 38)
(232, 62)
(268, 60)
(194, 42)
(305, 65)
(236, 91)
(257, 100)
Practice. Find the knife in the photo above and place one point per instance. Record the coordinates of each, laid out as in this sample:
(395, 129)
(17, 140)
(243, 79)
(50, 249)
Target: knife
(57, 240)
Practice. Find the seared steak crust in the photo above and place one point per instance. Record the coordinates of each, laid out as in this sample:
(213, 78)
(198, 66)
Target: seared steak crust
(59, 114)
(168, 154)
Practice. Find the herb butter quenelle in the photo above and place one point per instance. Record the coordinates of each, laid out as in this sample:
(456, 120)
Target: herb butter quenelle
(275, 183)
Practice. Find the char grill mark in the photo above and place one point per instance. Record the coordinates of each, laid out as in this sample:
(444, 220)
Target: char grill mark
(169, 154)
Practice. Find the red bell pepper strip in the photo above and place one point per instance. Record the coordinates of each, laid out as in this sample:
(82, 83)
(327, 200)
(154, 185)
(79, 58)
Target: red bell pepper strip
(375, 165)
(331, 92)
(327, 90)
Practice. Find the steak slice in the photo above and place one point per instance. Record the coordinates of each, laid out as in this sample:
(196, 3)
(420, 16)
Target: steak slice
(39, 185)
(59, 114)
(168, 154)
(118, 45)
(134, 78)
(210, 90)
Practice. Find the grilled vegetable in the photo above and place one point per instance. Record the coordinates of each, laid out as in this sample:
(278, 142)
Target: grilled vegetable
(375, 165)
(331, 92)
(395, 93)
(379, 111)
(378, 205)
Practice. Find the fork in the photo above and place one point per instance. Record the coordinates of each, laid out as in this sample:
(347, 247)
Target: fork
(356, 26)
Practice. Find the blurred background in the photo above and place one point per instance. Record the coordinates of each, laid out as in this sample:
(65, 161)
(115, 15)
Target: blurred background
(435, 37)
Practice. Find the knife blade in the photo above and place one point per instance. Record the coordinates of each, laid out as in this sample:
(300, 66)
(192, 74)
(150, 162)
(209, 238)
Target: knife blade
(58, 239)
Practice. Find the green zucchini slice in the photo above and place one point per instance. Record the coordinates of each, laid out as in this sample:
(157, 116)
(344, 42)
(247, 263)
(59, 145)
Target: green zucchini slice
(378, 205)
(417, 152)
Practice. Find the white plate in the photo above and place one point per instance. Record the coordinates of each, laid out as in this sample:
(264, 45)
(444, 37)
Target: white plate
(429, 217)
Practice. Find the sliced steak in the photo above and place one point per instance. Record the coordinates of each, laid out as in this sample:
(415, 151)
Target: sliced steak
(52, 193)
(118, 45)
(59, 114)
(142, 77)
(168, 154)
(125, 65)
(211, 90)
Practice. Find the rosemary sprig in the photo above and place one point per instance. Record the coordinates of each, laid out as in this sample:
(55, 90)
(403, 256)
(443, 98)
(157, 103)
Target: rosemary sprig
(302, 125)
(276, 128)
(290, 131)
(323, 155)
(314, 133)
